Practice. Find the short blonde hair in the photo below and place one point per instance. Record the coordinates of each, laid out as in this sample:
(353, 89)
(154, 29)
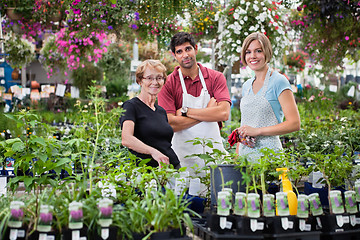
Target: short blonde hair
(264, 42)
(156, 64)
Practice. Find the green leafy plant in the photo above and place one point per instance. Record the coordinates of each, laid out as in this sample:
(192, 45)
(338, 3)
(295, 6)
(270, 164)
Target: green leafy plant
(35, 156)
(85, 77)
(335, 167)
(158, 211)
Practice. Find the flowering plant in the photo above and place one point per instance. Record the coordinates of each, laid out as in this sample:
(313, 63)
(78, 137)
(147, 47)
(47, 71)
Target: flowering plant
(49, 10)
(67, 46)
(33, 16)
(296, 60)
(202, 21)
(328, 31)
(243, 17)
(21, 51)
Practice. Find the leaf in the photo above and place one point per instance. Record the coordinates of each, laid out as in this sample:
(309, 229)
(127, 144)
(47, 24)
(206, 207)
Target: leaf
(18, 147)
(39, 140)
(28, 181)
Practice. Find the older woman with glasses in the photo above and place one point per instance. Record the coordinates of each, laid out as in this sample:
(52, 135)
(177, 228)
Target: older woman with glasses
(145, 128)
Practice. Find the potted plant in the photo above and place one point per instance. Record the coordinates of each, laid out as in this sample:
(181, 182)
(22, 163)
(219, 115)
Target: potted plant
(160, 213)
(20, 51)
(17, 9)
(335, 168)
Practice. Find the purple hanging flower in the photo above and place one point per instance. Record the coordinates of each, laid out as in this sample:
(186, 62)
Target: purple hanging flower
(134, 26)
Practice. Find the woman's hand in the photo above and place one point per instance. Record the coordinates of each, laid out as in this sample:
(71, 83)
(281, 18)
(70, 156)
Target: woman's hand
(160, 157)
(246, 130)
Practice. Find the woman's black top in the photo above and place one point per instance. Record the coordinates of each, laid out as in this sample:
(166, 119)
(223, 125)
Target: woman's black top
(151, 127)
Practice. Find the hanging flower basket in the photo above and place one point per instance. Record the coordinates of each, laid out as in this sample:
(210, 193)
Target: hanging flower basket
(56, 17)
(13, 15)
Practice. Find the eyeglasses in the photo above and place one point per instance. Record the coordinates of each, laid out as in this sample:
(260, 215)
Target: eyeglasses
(158, 78)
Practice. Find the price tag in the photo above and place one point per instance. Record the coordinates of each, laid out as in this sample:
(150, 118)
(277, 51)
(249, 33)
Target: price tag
(13, 234)
(285, 223)
(42, 236)
(340, 220)
(260, 226)
(302, 224)
(21, 233)
(104, 233)
(75, 235)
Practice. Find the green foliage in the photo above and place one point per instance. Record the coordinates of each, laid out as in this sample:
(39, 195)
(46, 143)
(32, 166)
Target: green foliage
(115, 64)
(84, 77)
(50, 58)
(328, 31)
(35, 156)
(158, 211)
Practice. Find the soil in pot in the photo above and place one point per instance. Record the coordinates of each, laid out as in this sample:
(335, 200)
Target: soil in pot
(333, 222)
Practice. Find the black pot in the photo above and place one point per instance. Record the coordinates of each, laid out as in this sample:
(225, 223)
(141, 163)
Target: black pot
(357, 226)
(197, 204)
(213, 222)
(36, 235)
(172, 234)
(138, 236)
(310, 224)
(230, 172)
(329, 223)
(112, 234)
(67, 233)
(21, 233)
(273, 225)
(243, 226)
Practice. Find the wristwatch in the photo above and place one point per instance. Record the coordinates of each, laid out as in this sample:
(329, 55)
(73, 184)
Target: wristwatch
(184, 111)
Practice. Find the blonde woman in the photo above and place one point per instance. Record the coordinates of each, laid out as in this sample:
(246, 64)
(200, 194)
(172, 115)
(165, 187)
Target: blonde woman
(267, 99)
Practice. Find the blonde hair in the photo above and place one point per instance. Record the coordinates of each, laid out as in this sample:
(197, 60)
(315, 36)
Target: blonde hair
(156, 64)
(264, 42)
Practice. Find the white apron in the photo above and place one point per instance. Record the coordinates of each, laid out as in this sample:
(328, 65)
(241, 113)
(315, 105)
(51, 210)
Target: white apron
(201, 130)
(257, 112)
